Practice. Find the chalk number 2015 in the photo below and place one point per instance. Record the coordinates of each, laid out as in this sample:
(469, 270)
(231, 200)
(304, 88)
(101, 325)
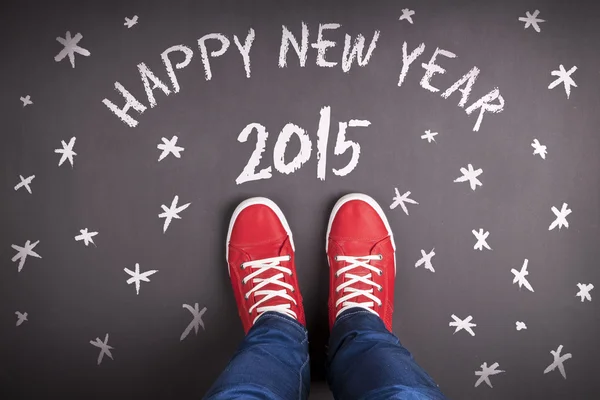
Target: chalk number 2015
(342, 145)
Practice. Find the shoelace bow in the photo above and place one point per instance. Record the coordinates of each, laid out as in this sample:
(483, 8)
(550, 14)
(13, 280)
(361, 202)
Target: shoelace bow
(352, 279)
(262, 266)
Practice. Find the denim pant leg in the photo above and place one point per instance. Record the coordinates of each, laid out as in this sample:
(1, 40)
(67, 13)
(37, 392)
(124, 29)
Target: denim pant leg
(366, 361)
(271, 363)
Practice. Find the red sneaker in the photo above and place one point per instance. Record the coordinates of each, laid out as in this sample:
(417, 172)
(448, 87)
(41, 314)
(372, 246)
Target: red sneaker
(260, 262)
(362, 261)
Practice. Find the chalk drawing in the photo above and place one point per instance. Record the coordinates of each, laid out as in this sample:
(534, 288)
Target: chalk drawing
(196, 322)
(341, 145)
(532, 20)
(558, 361)
(461, 324)
(248, 173)
(25, 182)
(400, 200)
(104, 348)
(131, 102)
(26, 100)
(322, 45)
(130, 22)
(322, 140)
(245, 49)
(481, 239)
(281, 144)
(147, 75)
(584, 291)
(86, 236)
(70, 48)
(538, 148)
(431, 68)
(301, 49)
(21, 317)
(561, 217)
(469, 174)
(564, 77)
(169, 147)
(520, 325)
(520, 276)
(137, 277)
(429, 136)
(188, 54)
(407, 15)
(426, 259)
(215, 53)
(23, 252)
(408, 59)
(486, 372)
(66, 151)
(349, 54)
(171, 212)
(469, 79)
(485, 105)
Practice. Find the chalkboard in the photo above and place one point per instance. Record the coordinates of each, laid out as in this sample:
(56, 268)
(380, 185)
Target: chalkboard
(132, 129)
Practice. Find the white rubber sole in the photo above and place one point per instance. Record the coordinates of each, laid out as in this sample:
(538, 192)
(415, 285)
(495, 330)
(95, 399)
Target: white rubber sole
(370, 201)
(251, 202)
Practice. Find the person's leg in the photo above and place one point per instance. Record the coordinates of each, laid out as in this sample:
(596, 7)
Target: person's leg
(365, 360)
(272, 362)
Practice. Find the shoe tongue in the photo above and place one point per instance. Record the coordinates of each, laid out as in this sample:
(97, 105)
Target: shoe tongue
(362, 271)
(271, 250)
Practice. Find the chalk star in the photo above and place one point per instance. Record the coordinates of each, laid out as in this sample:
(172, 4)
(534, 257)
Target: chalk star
(21, 317)
(584, 291)
(86, 236)
(104, 348)
(26, 100)
(561, 217)
(563, 77)
(429, 136)
(461, 324)
(520, 276)
(171, 212)
(538, 148)
(532, 20)
(196, 322)
(23, 252)
(25, 182)
(66, 151)
(168, 146)
(407, 15)
(400, 200)
(486, 372)
(71, 48)
(481, 239)
(137, 277)
(129, 22)
(470, 174)
(521, 325)
(558, 361)
(426, 259)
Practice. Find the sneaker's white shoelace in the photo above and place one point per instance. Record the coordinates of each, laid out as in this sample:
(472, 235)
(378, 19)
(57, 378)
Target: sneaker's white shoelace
(352, 279)
(262, 266)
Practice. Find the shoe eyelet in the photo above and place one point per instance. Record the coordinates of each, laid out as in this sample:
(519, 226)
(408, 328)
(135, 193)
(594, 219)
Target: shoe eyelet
(380, 273)
(293, 290)
(242, 266)
(380, 257)
(243, 281)
(381, 288)
(246, 297)
(335, 258)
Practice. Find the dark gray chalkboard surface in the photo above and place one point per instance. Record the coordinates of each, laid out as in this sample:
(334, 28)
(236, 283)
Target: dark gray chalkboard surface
(496, 117)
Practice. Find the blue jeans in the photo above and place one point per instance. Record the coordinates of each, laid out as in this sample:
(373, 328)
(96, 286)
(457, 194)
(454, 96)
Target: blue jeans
(365, 361)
